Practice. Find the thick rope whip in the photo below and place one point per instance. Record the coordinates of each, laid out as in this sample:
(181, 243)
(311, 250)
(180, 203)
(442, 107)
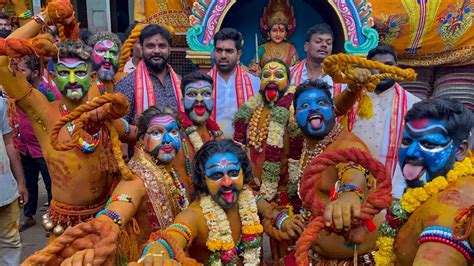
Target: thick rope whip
(341, 68)
(114, 106)
(179, 253)
(94, 234)
(129, 43)
(59, 11)
(376, 201)
(41, 45)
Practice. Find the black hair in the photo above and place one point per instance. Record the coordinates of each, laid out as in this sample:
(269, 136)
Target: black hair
(150, 113)
(312, 84)
(457, 117)
(193, 77)
(152, 30)
(32, 62)
(287, 69)
(73, 49)
(218, 146)
(382, 49)
(229, 34)
(322, 28)
(5, 16)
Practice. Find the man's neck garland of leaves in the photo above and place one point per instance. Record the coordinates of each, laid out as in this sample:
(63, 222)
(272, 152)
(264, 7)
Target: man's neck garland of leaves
(277, 128)
(413, 198)
(220, 239)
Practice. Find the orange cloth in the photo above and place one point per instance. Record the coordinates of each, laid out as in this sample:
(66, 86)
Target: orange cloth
(428, 32)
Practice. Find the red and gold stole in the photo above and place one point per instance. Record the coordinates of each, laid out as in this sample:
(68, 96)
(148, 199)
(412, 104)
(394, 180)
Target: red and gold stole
(144, 86)
(296, 72)
(243, 87)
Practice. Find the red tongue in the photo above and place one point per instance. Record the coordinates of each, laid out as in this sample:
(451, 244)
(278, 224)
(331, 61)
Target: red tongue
(412, 172)
(316, 123)
(199, 110)
(228, 196)
(271, 94)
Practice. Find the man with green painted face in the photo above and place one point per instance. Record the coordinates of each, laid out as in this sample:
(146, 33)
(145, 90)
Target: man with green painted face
(106, 48)
(82, 178)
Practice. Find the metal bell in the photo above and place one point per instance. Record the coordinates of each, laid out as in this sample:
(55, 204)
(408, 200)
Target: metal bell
(58, 230)
(45, 216)
(48, 226)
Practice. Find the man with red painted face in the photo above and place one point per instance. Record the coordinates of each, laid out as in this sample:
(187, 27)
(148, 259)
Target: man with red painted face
(233, 86)
(154, 80)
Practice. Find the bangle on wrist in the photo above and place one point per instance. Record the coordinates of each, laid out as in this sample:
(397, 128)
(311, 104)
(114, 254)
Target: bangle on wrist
(38, 18)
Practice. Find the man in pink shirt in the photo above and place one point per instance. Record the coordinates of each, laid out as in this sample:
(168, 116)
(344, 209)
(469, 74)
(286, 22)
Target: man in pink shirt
(30, 150)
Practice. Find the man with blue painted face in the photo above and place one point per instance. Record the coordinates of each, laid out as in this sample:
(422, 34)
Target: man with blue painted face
(433, 214)
(160, 192)
(315, 116)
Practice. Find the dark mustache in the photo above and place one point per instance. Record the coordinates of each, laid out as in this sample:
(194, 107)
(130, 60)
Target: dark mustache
(315, 112)
(271, 85)
(231, 187)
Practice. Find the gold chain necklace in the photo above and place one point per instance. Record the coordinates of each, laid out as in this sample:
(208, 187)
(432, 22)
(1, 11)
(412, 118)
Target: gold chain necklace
(256, 135)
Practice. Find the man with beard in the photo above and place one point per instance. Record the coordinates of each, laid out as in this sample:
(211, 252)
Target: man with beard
(343, 187)
(383, 132)
(233, 86)
(264, 118)
(105, 60)
(5, 25)
(154, 80)
(433, 216)
(81, 177)
(222, 225)
(318, 45)
(161, 191)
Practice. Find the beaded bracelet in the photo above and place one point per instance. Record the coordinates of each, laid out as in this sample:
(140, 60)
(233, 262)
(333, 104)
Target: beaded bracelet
(280, 218)
(444, 235)
(112, 215)
(181, 229)
(350, 188)
(126, 125)
(122, 197)
(351, 165)
(167, 246)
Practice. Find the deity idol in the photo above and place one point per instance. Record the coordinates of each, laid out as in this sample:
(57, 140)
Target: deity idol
(431, 224)
(223, 222)
(343, 190)
(277, 24)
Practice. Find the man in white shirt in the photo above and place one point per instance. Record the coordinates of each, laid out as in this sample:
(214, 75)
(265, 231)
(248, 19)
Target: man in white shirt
(233, 86)
(318, 45)
(13, 193)
(383, 132)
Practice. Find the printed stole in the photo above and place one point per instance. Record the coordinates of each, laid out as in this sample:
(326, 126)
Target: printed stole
(243, 87)
(297, 72)
(145, 93)
(162, 206)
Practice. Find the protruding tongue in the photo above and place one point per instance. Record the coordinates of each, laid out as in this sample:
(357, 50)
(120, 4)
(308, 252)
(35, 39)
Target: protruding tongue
(316, 123)
(412, 172)
(228, 196)
(200, 109)
(271, 94)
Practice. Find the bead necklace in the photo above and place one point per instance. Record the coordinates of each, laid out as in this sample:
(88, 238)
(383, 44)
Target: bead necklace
(256, 135)
(83, 145)
(179, 190)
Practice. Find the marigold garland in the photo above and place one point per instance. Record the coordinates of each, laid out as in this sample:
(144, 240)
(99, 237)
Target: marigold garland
(410, 202)
(191, 130)
(220, 234)
(277, 128)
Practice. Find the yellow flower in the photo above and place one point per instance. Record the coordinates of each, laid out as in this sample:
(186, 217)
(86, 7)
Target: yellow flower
(384, 256)
(436, 185)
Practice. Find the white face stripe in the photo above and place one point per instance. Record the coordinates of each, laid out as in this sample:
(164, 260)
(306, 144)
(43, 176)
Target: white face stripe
(415, 130)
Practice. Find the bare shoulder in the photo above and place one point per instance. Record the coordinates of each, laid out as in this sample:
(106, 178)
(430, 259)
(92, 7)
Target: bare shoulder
(348, 140)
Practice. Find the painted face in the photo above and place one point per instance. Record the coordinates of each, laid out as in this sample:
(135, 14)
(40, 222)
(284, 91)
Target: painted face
(73, 78)
(105, 59)
(162, 139)
(426, 147)
(156, 51)
(314, 113)
(224, 178)
(278, 33)
(319, 46)
(274, 82)
(198, 101)
(226, 55)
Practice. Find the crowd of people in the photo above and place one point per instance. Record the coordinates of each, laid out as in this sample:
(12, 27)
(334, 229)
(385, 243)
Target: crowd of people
(277, 163)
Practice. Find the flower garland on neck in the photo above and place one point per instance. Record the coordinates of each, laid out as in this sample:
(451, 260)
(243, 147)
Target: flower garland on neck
(412, 199)
(220, 239)
(192, 130)
(277, 128)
